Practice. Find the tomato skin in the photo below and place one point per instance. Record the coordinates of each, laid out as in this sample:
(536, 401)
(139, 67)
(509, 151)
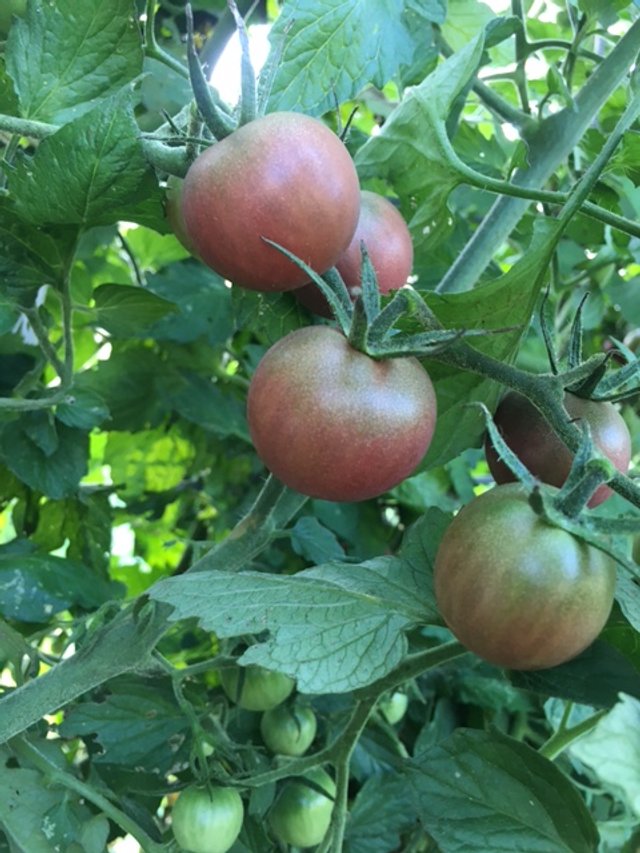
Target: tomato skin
(332, 423)
(394, 707)
(390, 249)
(207, 820)
(288, 730)
(173, 210)
(262, 689)
(517, 591)
(531, 438)
(300, 816)
(284, 176)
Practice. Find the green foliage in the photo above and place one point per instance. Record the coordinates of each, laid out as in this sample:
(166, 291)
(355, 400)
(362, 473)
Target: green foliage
(145, 550)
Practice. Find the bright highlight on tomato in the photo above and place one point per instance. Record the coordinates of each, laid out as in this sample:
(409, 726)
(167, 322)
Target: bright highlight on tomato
(301, 815)
(284, 176)
(534, 442)
(517, 591)
(388, 241)
(333, 423)
(207, 820)
(261, 688)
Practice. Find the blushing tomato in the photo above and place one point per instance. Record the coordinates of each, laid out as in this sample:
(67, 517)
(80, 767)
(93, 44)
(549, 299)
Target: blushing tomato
(388, 241)
(173, 209)
(516, 590)
(333, 423)
(255, 688)
(300, 815)
(284, 176)
(533, 441)
(207, 820)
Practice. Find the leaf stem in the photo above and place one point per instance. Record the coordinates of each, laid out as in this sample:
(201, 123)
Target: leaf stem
(151, 47)
(565, 736)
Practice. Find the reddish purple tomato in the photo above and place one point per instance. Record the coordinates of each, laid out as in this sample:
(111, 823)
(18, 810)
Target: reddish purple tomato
(173, 210)
(388, 241)
(333, 423)
(533, 441)
(516, 590)
(284, 176)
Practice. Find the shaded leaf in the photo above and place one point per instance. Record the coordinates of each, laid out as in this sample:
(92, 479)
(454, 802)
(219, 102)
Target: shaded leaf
(129, 311)
(312, 540)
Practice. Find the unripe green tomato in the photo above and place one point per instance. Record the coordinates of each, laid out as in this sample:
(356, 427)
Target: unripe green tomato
(9, 8)
(288, 730)
(207, 820)
(301, 815)
(261, 690)
(394, 707)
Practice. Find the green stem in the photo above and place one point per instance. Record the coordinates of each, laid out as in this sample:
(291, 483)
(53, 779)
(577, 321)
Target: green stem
(564, 737)
(33, 316)
(151, 47)
(520, 75)
(549, 145)
(55, 775)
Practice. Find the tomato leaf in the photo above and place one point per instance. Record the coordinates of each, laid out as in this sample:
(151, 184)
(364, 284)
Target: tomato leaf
(65, 57)
(408, 152)
(378, 815)
(129, 311)
(484, 791)
(333, 628)
(319, 33)
(93, 169)
(314, 541)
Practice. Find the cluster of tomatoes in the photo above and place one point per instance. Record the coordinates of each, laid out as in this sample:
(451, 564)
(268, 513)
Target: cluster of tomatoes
(333, 423)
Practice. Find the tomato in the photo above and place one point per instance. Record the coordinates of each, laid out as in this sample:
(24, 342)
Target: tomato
(173, 209)
(531, 438)
(207, 820)
(388, 242)
(288, 730)
(514, 589)
(333, 423)
(9, 8)
(284, 176)
(394, 707)
(261, 690)
(300, 816)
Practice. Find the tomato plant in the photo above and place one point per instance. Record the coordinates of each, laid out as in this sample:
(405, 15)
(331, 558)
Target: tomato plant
(288, 730)
(301, 815)
(333, 423)
(284, 176)
(207, 820)
(388, 241)
(531, 438)
(516, 590)
(255, 688)
(173, 209)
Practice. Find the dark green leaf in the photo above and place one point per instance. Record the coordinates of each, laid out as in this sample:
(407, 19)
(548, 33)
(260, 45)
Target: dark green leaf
(67, 56)
(208, 405)
(83, 409)
(319, 34)
(24, 802)
(484, 791)
(378, 816)
(87, 173)
(33, 587)
(593, 678)
(316, 543)
(333, 628)
(55, 474)
(129, 311)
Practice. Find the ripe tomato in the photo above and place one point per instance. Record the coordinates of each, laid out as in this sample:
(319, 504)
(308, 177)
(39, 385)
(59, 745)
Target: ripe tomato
(173, 210)
(261, 690)
(388, 242)
(288, 730)
(517, 591)
(207, 820)
(394, 707)
(284, 176)
(333, 423)
(531, 438)
(300, 816)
